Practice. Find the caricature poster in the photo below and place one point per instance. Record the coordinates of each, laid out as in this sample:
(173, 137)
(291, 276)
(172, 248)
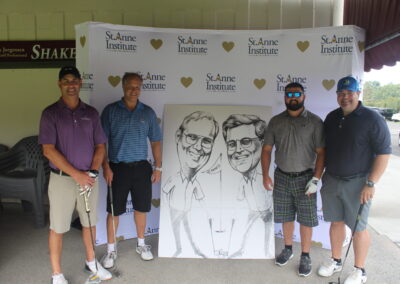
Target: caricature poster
(213, 203)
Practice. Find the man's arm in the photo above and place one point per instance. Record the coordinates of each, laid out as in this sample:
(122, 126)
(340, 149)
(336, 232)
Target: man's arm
(265, 164)
(319, 163)
(98, 157)
(156, 150)
(107, 172)
(378, 168)
(81, 178)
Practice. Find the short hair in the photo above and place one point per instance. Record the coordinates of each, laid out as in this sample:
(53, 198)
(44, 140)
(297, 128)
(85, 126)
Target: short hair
(236, 120)
(131, 75)
(294, 85)
(197, 115)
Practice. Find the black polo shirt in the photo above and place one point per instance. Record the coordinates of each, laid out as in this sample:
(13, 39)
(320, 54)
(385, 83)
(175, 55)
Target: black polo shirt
(353, 141)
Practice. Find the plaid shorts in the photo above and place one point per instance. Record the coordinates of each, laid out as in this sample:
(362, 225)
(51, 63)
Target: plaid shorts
(289, 199)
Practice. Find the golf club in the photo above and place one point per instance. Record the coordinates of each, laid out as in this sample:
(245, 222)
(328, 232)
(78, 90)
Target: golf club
(113, 269)
(351, 240)
(93, 278)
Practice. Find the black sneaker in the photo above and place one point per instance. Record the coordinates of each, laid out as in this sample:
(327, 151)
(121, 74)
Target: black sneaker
(305, 266)
(284, 257)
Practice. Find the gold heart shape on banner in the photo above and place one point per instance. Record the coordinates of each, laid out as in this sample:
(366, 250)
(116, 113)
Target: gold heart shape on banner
(328, 84)
(228, 45)
(259, 83)
(303, 45)
(317, 244)
(158, 120)
(82, 39)
(120, 238)
(156, 43)
(114, 80)
(156, 202)
(361, 46)
(186, 81)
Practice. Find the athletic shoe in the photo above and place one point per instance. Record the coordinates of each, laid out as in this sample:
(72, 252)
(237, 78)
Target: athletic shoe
(101, 272)
(284, 257)
(144, 252)
(305, 266)
(357, 276)
(329, 267)
(109, 259)
(59, 280)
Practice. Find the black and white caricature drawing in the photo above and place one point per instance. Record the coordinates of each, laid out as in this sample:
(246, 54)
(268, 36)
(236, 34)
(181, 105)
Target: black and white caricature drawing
(213, 203)
(244, 135)
(194, 143)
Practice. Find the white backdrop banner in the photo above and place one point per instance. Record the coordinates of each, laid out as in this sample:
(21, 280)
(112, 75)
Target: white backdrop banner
(208, 67)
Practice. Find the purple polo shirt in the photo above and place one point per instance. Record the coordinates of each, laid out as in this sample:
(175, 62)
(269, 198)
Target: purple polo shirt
(73, 132)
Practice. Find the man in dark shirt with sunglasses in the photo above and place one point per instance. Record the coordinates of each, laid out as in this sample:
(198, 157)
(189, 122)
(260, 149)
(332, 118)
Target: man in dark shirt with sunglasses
(298, 137)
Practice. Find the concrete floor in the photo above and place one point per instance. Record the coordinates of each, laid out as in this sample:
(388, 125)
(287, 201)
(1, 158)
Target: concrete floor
(24, 259)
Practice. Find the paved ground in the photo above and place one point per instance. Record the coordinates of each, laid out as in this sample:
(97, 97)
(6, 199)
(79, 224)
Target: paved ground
(385, 211)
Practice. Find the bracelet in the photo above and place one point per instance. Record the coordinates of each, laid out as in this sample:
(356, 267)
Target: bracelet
(158, 169)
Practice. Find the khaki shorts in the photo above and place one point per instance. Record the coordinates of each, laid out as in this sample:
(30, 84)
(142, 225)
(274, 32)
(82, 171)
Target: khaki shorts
(64, 198)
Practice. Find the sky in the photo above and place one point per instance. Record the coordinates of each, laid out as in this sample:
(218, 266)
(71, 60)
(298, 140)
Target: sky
(385, 76)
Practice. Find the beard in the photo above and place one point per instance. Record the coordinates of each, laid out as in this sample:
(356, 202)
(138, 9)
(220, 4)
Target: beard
(295, 106)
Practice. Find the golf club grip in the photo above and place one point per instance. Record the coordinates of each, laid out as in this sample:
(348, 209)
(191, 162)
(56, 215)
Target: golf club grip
(85, 197)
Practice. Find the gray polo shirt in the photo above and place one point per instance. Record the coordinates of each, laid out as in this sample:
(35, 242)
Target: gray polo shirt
(295, 140)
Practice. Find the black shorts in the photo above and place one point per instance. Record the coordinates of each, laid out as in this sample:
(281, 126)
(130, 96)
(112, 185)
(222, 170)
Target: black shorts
(134, 178)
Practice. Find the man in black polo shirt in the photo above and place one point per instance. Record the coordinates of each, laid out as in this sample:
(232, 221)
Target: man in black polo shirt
(358, 147)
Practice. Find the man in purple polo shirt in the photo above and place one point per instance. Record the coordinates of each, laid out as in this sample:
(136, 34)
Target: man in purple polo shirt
(74, 142)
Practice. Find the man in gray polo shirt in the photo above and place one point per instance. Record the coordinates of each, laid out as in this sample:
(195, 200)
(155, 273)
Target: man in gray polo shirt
(358, 147)
(297, 135)
(74, 142)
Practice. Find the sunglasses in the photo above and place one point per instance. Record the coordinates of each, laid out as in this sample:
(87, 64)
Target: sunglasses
(293, 95)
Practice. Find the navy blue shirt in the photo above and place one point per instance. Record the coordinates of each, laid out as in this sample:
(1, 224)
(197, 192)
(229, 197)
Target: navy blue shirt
(353, 141)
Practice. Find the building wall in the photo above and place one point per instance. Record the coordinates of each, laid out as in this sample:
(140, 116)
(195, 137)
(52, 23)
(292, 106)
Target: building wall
(25, 92)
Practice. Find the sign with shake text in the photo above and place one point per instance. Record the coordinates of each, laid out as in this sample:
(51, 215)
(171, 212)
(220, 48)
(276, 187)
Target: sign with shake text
(213, 68)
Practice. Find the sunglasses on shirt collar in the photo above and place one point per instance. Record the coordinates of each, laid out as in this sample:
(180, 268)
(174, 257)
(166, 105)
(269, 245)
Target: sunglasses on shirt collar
(293, 94)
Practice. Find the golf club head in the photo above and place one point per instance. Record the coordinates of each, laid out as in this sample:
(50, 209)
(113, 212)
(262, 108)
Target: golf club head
(333, 282)
(93, 279)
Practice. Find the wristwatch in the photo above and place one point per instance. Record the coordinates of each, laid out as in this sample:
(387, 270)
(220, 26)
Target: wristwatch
(158, 169)
(93, 173)
(370, 183)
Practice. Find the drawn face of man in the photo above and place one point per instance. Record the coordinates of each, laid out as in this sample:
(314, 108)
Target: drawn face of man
(195, 143)
(243, 147)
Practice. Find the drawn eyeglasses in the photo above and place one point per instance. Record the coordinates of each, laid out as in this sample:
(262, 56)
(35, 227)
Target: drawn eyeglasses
(245, 143)
(293, 94)
(192, 139)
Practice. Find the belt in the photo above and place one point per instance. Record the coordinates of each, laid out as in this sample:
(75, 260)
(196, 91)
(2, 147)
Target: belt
(132, 164)
(61, 173)
(295, 174)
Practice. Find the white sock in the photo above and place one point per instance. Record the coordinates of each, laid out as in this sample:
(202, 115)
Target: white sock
(110, 247)
(57, 276)
(92, 265)
(141, 242)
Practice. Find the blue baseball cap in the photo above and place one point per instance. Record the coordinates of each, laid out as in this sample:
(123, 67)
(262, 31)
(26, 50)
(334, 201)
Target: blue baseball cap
(348, 83)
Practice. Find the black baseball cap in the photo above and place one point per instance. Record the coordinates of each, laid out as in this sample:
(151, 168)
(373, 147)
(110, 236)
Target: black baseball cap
(69, 70)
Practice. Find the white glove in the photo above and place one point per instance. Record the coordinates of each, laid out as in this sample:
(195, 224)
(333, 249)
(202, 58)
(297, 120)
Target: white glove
(312, 186)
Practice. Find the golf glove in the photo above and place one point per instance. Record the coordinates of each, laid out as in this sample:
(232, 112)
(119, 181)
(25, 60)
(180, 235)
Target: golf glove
(312, 186)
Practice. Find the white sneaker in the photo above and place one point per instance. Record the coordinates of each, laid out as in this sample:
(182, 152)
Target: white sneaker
(60, 279)
(109, 259)
(329, 267)
(101, 272)
(144, 252)
(356, 277)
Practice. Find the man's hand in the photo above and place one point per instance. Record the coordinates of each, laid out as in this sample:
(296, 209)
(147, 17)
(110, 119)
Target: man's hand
(83, 179)
(312, 186)
(366, 194)
(268, 185)
(156, 176)
(108, 175)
